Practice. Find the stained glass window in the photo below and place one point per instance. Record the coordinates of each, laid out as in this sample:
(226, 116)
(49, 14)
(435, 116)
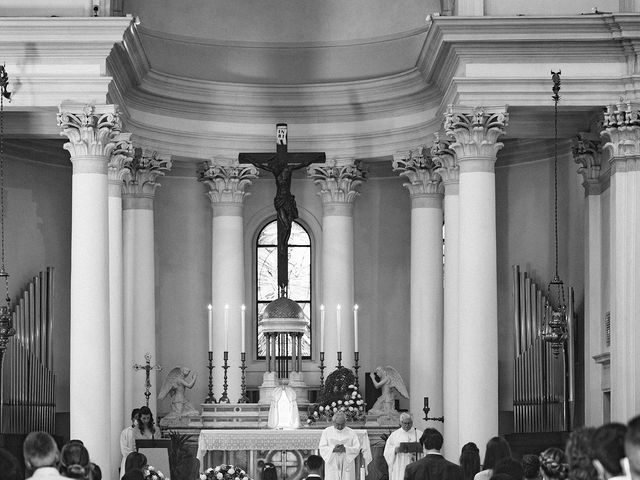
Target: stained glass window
(299, 253)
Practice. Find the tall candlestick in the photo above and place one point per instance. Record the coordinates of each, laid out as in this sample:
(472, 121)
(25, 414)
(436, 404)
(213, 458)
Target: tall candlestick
(338, 325)
(210, 308)
(226, 328)
(242, 314)
(355, 327)
(322, 328)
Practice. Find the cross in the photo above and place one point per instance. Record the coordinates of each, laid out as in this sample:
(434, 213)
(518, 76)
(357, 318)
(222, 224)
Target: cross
(282, 164)
(147, 369)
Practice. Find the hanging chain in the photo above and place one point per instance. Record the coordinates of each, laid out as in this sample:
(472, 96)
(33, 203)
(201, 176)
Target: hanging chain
(556, 97)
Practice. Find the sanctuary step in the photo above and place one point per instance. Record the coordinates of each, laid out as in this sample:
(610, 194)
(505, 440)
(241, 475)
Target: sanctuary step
(237, 415)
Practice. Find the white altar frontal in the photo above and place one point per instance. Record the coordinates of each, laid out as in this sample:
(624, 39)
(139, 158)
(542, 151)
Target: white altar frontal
(287, 449)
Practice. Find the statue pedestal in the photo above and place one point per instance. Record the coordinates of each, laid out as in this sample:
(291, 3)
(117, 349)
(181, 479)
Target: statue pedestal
(390, 419)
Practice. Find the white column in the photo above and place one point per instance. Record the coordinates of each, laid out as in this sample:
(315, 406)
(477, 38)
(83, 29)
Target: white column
(338, 182)
(425, 336)
(476, 131)
(227, 184)
(116, 171)
(444, 157)
(587, 153)
(91, 131)
(622, 129)
(139, 273)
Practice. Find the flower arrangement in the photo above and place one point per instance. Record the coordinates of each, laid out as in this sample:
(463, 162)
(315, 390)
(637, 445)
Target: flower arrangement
(150, 473)
(224, 472)
(351, 403)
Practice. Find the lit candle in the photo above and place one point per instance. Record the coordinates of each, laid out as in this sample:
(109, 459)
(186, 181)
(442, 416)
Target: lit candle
(322, 328)
(210, 308)
(338, 325)
(242, 314)
(355, 327)
(226, 328)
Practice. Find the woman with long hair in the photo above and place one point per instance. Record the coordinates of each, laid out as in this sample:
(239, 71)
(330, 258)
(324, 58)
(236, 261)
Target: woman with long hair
(74, 461)
(146, 426)
(469, 460)
(497, 449)
(134, 461)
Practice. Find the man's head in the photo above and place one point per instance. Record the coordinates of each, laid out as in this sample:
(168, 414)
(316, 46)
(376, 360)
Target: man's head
(406, 421)
(632, 445)
(314, 463)
(339, 420)
(40, 450)
(608, 449)
(431, 439)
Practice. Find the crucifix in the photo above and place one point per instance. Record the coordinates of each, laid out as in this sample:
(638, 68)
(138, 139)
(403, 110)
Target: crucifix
(281, 164)
(147, 369)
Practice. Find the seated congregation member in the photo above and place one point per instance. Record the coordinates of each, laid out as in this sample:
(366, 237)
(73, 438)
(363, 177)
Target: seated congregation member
(41, 456)
(530, 467)
(433, 465)
(339, 446)
(269, 471)
(146, 426)
(9, 466)
(394, 453)
(127, 441)
(553, 464)
(133, 475)
(608, 450)
(497, 449)
(75, 461)
(314, 465)
(469, 460)
(579, 453)
(510, 467)
(96, 472)
(631, 463)
(134, 461)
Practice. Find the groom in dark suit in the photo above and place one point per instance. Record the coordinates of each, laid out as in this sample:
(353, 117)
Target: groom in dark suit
(433, 466)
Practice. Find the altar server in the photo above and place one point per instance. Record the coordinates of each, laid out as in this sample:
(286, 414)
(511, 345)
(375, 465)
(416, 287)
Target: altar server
(339, 447)
(395, 452)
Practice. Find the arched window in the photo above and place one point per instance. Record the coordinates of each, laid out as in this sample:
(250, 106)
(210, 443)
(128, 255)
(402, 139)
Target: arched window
(299, 277)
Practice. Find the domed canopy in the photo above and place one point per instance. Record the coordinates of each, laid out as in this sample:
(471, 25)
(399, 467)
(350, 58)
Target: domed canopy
(283, 316)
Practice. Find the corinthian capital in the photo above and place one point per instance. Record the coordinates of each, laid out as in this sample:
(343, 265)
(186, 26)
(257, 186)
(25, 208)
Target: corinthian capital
(121, 155)
(227, 183)
(587, 152)
(338, 182)
(445, 160)
(418, 167)
(142, 171)
(91, 129)
(621, 125)
(476, 131)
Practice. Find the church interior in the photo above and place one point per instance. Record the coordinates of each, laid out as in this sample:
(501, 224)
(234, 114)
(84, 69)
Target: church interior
(455, 187)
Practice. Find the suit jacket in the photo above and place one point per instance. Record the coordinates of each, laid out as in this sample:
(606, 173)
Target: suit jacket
(432, 467)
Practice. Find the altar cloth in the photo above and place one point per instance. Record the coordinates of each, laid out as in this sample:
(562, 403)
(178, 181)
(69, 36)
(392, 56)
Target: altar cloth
(301, 439)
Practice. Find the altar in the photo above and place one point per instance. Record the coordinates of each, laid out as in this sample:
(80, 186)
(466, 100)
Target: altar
(250, 448)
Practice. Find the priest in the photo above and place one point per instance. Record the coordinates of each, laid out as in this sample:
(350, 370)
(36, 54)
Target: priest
(339, 447)
(398, 451)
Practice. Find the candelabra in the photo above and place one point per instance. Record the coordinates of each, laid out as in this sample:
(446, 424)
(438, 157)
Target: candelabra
(356, 367)
(243, 385)
(224, 398)
(339, 359)
(322, 367)
(210, 398)
(426, 411)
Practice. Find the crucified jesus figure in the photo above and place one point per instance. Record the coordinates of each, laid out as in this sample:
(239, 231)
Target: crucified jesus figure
(281, 165)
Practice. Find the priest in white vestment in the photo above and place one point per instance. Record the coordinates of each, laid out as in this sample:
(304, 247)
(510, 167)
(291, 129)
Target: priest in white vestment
(397, 459)
(339, 447)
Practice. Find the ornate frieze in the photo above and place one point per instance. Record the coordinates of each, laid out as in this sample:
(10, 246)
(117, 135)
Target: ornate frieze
(587, 152)
(142, 170)
(338, 182)
(227, 183)
(476, 131)
(418, 167)
(92, 130)
(621, 127)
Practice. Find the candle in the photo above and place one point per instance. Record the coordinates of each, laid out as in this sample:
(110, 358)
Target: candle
(210, 308)
(355, 327)
(322, 328)
(242, 314)
(426, 402)
(226, 328)
(338, 322)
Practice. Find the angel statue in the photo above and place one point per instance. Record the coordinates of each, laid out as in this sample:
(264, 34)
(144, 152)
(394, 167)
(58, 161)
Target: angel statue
(178, 380)
(391, 385)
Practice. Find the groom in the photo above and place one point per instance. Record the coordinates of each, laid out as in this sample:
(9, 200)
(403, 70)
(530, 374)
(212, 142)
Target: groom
(433, 465)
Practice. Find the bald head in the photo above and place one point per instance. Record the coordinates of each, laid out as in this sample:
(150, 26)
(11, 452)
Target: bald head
(339, 420)
(406, 421)
(40, 450)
